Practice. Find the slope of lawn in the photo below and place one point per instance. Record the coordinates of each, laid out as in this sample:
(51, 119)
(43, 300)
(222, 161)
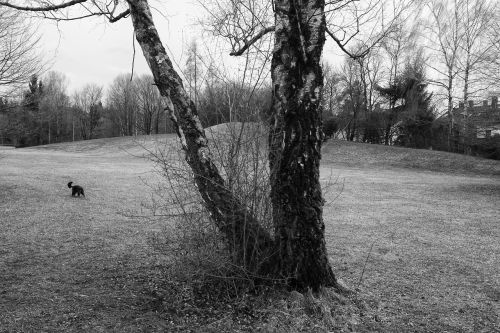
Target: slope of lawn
(361, 155)
(415, 232)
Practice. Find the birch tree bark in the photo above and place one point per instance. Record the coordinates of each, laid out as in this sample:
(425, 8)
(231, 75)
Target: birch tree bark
(295, 139)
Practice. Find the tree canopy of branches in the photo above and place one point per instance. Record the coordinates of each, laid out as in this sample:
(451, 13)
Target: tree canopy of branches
(245, 23)
(19, 59)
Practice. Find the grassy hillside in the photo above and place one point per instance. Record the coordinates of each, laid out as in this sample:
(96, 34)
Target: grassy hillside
(352, 154)
(362, 155)
(416, 232)
(118, 145)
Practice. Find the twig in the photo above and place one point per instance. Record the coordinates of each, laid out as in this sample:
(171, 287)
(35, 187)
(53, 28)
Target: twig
(364, 266)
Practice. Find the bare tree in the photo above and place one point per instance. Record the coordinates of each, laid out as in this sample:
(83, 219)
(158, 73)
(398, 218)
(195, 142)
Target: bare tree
(351, 98)
(477, 21)
(331, 91)
(399, 45)
(462, 52)
(148, 104)
(123, 104)
(297, 252)
(444, 38)
(494, 38)
(193, 71)
(87, 104)
(19, 59)
(54, 104)
(371, 75)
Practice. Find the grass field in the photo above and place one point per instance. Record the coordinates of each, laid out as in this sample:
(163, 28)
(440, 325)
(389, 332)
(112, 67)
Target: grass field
(416, 232)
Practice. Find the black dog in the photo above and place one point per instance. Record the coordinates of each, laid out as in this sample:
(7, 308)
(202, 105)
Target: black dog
(76, 189)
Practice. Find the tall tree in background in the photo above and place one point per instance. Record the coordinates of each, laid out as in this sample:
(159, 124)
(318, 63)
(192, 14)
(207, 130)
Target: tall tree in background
(414, 111)
(32, 115)
(192, 72)
(414, 128)
(370, 67)
(398, 46)
(352, 98)
(297, 252)
(331, 90)
(444, 42)
(54, 106)
(494, 38)
(462, 56)
(122, 104)
(21, 119)
(134, 106)
(149, 104)
(88, 108)
(477, 52)
(350, 94)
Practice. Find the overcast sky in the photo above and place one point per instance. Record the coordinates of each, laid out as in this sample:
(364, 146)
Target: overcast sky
(92, 51)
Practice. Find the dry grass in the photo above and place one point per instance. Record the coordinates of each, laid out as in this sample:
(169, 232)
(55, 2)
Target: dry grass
(71, 265)
(434, 237)
(367, 156)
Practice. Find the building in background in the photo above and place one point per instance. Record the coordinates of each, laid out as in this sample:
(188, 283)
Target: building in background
(476, 129)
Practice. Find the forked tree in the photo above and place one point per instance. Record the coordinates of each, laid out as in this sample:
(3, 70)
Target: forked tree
(297, 251)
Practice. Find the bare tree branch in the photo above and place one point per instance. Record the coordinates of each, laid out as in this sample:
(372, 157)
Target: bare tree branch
(342, 47)
(42, 8)
(364, 22)
(252, 41)
(120, 16)
(49, 10)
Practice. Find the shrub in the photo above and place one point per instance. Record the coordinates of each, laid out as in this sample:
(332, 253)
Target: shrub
(194, 247)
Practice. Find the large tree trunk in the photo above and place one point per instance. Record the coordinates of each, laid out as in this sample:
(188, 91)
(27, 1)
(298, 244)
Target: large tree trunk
(295, 140)
(249, 243)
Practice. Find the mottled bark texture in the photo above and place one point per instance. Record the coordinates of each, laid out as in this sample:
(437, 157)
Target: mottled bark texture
(249, 243)
(295, 143)
(298, 252)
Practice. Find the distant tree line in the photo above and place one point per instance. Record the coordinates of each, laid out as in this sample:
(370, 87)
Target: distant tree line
(415, 86)
(46, 113)
(399, 112)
